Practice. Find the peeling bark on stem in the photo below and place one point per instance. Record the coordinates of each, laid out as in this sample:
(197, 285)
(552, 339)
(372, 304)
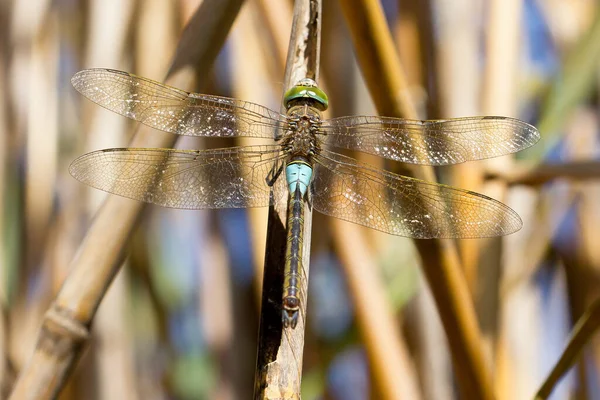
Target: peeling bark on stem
(279, 361)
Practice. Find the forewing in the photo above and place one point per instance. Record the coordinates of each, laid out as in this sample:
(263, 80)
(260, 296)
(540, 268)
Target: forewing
(404, 206)
(173, 110)
(222, 178)
(435, 142)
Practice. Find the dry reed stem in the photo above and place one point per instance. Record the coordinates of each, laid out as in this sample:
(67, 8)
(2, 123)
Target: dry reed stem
(386, 349)
(459, 80)
(156, 36)
(113, 364)
(389, 358)
(34, 72)
(65, 328)
(33, 58)
(582, 333)
(41, 142)
(422, 324)
(383, 73)
(499, 97)
(279, 363)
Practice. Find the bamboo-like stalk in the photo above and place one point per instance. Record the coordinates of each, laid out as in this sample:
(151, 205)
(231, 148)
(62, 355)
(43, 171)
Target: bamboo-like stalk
(582, 333)
(392, 370)
(499, 97)
(31, 40)
(384, 76)
(35, 66)
(456, 47)
(155, 36)
(41, 143)
(279, 362)
(65, 328)
(389, 358)
(422, 324)
(113, 361)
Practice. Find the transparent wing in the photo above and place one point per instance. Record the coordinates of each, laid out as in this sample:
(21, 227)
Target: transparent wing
(404, 206)
(173, 110)
(223, 178)
(435, 142)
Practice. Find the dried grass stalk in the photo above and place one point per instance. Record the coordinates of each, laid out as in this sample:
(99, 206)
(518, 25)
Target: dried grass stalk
(385, 79)
(583, 332)
(389, 359)
(66, 326)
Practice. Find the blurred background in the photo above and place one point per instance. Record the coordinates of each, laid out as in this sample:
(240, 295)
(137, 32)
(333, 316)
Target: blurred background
(180, 321)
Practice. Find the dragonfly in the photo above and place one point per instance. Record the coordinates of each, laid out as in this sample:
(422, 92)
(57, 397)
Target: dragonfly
(300, 165)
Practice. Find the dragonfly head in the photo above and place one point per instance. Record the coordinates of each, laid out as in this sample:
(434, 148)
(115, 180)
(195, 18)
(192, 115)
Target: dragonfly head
(306, 90)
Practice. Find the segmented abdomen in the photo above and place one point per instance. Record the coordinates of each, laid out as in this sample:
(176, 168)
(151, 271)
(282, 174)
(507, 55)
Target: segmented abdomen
(293, 259)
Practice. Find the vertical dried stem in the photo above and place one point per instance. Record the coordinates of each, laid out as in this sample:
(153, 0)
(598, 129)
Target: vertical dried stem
(66, 325)
(583, 331)
(458, 76)
(113, 361)
(279, 362)
(389, 358)
(382, 70)
(499, 95)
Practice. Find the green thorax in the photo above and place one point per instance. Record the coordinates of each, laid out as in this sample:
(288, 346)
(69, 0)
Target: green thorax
(306, 89)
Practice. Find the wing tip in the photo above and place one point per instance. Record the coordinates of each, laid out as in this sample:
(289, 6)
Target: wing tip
(514, 223)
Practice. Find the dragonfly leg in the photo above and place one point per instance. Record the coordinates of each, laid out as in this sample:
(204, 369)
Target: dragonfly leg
(274, 174)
